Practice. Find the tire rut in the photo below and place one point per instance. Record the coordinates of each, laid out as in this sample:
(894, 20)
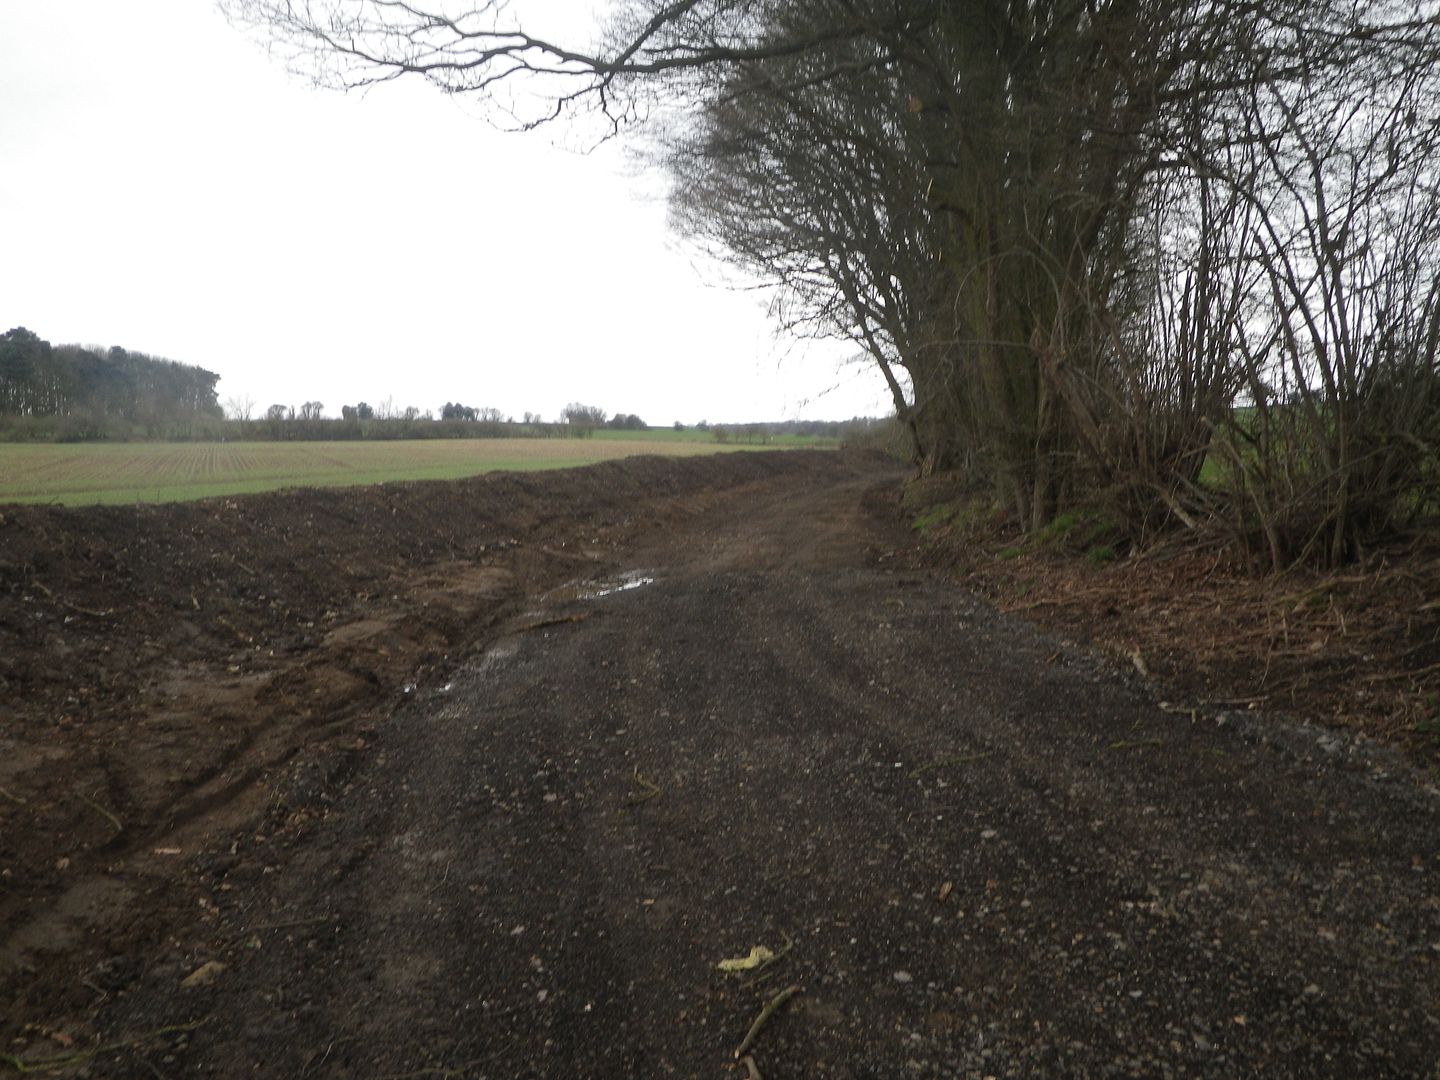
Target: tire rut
(983, 852)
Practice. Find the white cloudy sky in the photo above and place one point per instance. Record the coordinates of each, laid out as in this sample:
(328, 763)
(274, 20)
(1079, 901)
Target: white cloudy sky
(165, 186)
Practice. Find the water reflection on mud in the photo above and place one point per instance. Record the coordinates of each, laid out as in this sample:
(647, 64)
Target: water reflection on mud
(594, 590)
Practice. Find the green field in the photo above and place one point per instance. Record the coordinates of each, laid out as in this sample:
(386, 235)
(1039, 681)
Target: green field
(734, 442)
(89, 473)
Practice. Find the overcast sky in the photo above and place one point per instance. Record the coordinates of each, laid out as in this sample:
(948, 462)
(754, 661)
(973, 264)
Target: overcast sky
(166, 186)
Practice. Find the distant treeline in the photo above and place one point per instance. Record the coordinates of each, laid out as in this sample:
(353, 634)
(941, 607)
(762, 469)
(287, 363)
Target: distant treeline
(76, 392)
(283, 424)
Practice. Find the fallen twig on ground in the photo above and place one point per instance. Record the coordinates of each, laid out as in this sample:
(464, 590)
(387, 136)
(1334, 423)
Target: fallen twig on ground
(766, 1013)
(119, 826)
(558, 620)
(649, 790)
(67, 604)
(80, 1057)
(1135, 744)
(760, 974)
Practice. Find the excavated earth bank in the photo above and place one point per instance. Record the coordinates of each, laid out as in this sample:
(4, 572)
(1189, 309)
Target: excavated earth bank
(487, 779)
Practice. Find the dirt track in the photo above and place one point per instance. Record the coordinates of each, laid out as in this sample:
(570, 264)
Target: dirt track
(981, 851)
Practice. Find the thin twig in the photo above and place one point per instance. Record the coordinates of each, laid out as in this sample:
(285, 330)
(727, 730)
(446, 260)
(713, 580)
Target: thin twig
(756, 976)
(13, 797)
(284, 926)
(65, 1061)
(458, 1070)
(119, 826)
(558, 620)
(752, 1071)
(768, 1011)
(1389, 675)
(1135, 744)
(328, 1050)
(67, 604)
(649, 790)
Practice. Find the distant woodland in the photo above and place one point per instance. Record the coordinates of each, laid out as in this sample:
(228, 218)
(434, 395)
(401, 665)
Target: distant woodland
(78, 392)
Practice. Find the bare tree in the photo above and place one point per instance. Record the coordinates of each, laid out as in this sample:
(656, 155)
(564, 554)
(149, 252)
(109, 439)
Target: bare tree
(1093, 248)
(240, 407)
(582, 420)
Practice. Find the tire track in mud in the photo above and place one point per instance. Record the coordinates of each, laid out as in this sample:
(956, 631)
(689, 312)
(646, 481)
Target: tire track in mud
(983, 852)
(166, 667)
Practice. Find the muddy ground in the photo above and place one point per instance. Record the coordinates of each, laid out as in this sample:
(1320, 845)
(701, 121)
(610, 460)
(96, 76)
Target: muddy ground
(485, 779)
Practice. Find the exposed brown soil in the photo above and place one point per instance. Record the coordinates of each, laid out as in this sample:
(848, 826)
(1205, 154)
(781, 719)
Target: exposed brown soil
(159, 666)
(483, 779)
(1357, 649)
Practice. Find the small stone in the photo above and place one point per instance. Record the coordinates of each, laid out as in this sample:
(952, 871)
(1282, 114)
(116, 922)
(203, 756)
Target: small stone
(904, 977)
(988, 834)
(207, 972)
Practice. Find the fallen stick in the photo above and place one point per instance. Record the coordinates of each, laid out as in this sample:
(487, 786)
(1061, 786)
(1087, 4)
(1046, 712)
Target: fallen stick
(119, 826)
(768, 1011)
(1389, 675)
(294, 924)
(67, 604)
(65, 1061)
(650, 791)
(1135, 744)
(558, 620)
(16, 799)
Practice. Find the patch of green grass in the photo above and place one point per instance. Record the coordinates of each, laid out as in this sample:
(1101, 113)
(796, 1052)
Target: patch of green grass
(1430, 725)
(935, 517)
(1078, 530)
(694, 435)
(926, 492)
(95, 473)
(1059, 529)
(1101, 554)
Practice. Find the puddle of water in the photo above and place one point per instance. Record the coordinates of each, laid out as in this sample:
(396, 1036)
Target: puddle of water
(594, 590)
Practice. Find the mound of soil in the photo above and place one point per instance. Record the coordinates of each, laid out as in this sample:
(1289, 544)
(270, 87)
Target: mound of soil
(485, 778)
(159, 664)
